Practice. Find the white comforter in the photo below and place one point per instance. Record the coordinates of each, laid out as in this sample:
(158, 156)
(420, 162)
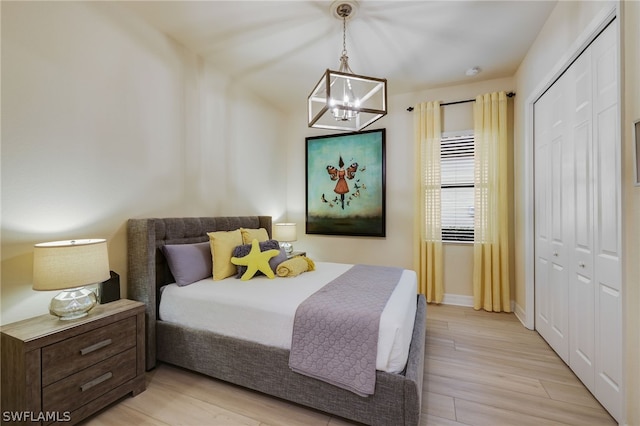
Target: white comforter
(262, 310)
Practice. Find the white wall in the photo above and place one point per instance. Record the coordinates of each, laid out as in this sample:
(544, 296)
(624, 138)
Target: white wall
(104, 119)
(555, 43)
(397, 248)
(631, 208)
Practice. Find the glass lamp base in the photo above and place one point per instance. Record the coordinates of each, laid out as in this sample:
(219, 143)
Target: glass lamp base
(72, 303)
(288, 248)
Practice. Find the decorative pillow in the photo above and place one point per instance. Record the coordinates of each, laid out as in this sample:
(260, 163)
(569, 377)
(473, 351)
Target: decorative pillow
(222, 245)
(275, 261)
(188, 262)
(248, 235)
(244, 250)
(256, 261)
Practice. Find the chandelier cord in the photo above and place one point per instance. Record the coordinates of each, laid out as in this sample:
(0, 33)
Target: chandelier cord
(344, 36)
(344, 59)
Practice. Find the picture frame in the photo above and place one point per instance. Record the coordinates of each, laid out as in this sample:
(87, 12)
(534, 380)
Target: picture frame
(636, 127)
(346, 184)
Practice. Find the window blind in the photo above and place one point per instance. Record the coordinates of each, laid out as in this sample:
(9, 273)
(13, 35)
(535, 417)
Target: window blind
(456, 157)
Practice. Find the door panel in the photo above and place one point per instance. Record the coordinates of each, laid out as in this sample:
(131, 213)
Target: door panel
(607, 242)
(542, 212)
(550, 192)
(582, 292)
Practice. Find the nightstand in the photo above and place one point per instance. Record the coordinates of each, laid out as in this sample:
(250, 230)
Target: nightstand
(296, 253)
(64, 371)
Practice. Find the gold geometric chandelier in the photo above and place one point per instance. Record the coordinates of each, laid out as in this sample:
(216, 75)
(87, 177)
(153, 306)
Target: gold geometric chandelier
(343, 100)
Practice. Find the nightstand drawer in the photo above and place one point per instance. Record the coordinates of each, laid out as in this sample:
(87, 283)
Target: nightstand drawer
(86, 385)
(72, 355)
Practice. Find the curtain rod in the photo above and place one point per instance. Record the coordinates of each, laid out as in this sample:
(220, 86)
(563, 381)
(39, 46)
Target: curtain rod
(509, 95)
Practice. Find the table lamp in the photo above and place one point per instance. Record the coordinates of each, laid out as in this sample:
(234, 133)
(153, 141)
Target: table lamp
(69, 266)
(284, 233)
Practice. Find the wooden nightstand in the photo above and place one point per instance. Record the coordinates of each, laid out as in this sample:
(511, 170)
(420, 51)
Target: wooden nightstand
(64, 371)
(296, 253)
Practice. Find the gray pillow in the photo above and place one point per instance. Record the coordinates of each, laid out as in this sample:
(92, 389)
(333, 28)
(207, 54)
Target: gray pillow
(243, 250)
(189, 262)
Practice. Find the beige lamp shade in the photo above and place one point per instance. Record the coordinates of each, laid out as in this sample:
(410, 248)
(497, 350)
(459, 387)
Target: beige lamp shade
(285, 232)
(61, 265)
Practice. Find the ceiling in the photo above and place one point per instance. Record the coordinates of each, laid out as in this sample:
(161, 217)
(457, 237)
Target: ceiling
(279, 49)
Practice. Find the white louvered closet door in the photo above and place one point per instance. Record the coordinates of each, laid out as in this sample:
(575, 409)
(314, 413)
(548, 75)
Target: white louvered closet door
(578, 233)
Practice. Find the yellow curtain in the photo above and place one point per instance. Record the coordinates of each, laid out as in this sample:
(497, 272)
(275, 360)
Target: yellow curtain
(427, 225)
(491, 229)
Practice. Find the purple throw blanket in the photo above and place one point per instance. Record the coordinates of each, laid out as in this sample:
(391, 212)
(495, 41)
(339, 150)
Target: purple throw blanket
(335, 330)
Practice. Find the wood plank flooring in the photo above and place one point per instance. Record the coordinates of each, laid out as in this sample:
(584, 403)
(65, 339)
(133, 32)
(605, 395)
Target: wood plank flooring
(481, 368)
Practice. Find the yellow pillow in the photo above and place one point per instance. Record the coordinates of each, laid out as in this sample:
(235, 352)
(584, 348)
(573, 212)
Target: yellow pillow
(248, 235)
(222, 245)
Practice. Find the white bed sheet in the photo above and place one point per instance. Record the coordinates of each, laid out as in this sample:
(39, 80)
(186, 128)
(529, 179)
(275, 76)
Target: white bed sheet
(262, 310)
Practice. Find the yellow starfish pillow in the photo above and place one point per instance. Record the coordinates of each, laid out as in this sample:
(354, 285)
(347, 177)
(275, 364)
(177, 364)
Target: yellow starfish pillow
(256, 261)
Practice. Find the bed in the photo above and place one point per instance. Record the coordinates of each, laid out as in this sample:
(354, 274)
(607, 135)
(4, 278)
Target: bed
(262, 367)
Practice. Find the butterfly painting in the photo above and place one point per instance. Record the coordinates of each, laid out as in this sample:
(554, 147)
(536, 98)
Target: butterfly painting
(345, 184)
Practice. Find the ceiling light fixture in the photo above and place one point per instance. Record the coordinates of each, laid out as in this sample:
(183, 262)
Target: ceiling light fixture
(472, 71)
(343, 100)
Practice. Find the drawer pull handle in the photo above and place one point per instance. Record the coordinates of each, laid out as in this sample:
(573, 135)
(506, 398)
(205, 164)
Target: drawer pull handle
(96, 381)
(95, 347)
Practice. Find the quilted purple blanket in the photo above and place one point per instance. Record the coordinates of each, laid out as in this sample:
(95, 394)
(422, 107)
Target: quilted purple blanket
(335, 330)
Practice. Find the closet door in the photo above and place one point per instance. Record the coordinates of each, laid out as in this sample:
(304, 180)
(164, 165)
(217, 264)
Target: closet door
(553, 153)
(578, 233)
(607, 217)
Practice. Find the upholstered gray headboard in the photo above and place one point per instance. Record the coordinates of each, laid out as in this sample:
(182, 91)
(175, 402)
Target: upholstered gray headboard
(147, 268)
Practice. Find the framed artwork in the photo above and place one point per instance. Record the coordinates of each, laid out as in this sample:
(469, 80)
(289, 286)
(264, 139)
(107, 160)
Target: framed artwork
(637, 139)
(345, 184)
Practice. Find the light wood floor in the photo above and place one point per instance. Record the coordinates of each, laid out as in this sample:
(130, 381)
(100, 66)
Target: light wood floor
(481, 369)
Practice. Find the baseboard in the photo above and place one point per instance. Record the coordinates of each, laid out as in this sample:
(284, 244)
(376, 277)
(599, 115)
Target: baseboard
(457, 300)
(462, 300)
(521, 314)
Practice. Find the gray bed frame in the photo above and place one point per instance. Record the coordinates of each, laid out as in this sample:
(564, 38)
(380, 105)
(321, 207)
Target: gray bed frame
(397, 398)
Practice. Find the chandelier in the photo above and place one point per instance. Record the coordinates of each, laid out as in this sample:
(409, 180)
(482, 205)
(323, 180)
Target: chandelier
(343, 100)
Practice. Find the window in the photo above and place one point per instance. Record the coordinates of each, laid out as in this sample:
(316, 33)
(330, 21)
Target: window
(456, 157)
